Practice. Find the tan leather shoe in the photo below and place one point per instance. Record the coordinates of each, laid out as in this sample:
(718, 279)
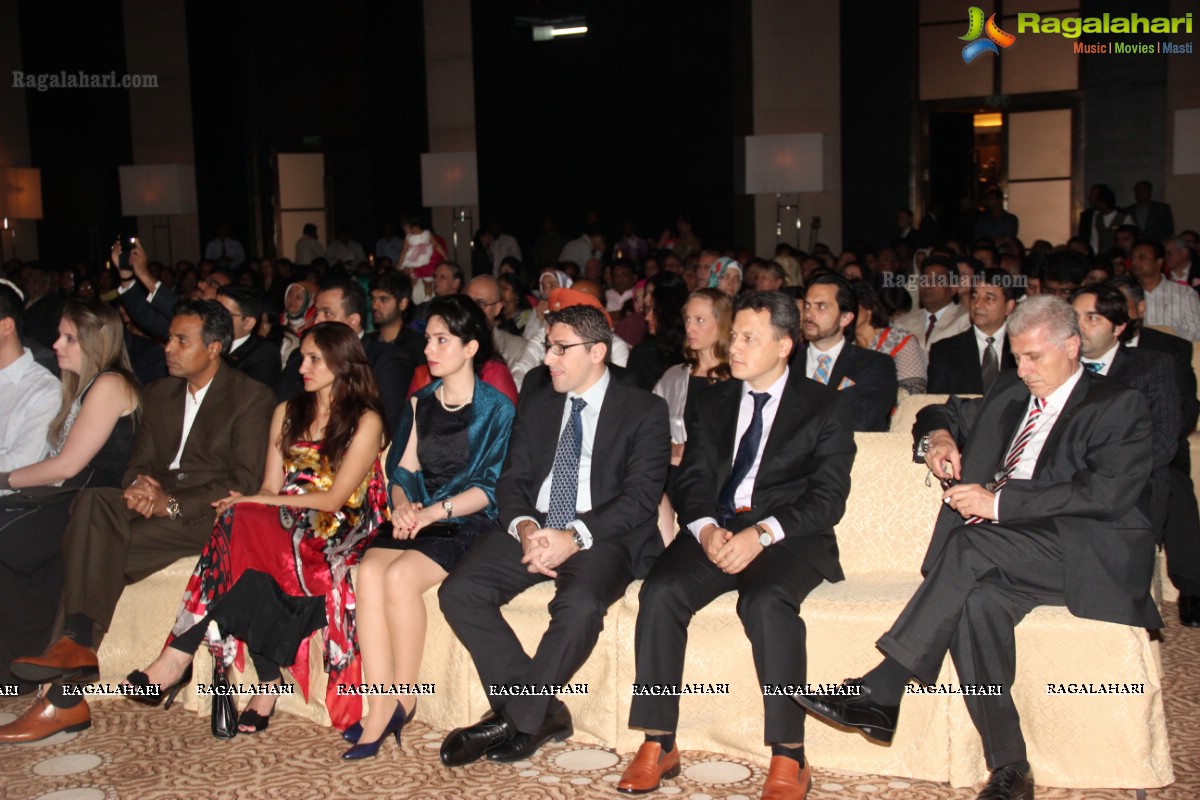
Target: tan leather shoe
(786, 781)
(648, 768)
(42, 719)
(60, 658)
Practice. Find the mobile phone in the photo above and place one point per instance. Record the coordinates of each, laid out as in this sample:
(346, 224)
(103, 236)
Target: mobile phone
(947, 483)
(127, 245)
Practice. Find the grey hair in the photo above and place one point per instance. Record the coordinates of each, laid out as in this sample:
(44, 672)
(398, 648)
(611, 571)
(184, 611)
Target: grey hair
(1044, 311)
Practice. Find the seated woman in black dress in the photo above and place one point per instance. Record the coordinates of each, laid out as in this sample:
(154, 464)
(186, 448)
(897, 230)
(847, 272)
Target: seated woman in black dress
(666, 294)
(91, 441)
(277, 567)
(442, 472)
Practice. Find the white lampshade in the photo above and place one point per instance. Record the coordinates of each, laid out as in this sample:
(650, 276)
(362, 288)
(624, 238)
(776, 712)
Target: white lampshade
(20, 193)
(793, 162)
(449, 179)
(158, 189)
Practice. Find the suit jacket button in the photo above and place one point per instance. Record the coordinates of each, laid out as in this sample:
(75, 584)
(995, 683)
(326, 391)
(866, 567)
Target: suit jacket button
(181, 476)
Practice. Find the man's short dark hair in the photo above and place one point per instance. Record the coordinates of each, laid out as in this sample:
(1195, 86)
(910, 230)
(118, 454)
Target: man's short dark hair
(1107, 196)
(1066, 267)
(994, 276)
(1130, 286)
(12, 307)
(588, 323)
(216, 322)
(1159, 251)
(1110, 303)
(397, 284)
(847, 298)
(785, 317)
(354, 299)
(248, 301)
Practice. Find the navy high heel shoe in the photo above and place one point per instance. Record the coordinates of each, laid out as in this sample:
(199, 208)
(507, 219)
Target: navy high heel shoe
(371, 749)
(353, 733)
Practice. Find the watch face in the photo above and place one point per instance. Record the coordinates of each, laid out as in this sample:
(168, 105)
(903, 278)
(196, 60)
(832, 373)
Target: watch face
(765, 539)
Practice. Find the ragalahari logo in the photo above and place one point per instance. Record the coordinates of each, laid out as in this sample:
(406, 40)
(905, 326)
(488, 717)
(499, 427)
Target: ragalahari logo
(976, 28)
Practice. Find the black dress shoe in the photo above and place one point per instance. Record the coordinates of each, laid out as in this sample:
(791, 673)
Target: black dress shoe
(465, 745)
(1189, 610)
(1008, 783)
(556, 726)
(858, 710)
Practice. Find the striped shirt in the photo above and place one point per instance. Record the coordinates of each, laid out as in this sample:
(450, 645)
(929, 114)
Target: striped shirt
(1176, 306)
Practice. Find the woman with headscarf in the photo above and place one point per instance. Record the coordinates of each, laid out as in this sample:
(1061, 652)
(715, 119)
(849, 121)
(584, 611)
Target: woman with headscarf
(726, 275)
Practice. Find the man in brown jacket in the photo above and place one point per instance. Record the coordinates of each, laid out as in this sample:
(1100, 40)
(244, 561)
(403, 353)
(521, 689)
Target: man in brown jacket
(204, 433)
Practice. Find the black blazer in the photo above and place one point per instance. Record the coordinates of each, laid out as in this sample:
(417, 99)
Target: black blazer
(1087, 481)
(1180, 351)
(803, 478)
(1160, 222)
(393, 364)
(257, 358)
(630, 456)
(873, 394)
(955, 364)
(153, 316)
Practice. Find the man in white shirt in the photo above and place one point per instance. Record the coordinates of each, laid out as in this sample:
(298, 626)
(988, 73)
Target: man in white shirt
(485, 290)
(29, 394)
(224, 250)
(1073, 532)
(1100, 220)
(389, 246)
(939, 317)
(1167, 303)
(308, 246)
(345, 251)
(503, 246)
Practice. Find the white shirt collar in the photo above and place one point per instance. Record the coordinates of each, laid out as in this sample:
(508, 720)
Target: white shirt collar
(236, 343)
(775, 389)
(833, 352)
(997, 337)
(1058, 398)
(1105, 361)
(594, 396)
(198, 397)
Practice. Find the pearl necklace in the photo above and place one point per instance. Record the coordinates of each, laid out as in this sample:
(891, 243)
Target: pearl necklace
(441, 396)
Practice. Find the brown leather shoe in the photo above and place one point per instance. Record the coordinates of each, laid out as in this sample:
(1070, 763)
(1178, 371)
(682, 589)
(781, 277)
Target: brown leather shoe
(786, 781)
(61, 658)
(648, 768)
(43, 719)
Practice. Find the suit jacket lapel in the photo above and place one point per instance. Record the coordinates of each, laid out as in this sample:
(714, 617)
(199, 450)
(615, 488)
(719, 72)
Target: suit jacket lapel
(1119, 364)
(840, 367)
(1073, 400)
(171, 422)
(725, 410)
(609, 420)
(1010, 417)
(786, 421)
(210, 410)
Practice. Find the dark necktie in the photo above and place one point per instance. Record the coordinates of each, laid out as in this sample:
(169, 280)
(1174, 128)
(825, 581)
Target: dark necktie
(929, 330)
(746, 453)
(564, 486)
(1014, 452)
(1093, 366)
(991, 364)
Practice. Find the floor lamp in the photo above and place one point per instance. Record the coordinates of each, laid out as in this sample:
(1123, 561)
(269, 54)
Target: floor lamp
(451, 180)
(158, 191)
(785, 165)
(20, 198)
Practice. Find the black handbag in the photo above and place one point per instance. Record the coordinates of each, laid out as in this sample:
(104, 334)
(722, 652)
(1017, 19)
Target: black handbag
(224, 713)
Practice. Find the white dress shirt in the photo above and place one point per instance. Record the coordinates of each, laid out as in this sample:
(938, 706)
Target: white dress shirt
(30, 397)
(1174, 305)
(589, 416)
(810, 364)
(390, 248)
(1023, 471)
(349, 253)
(236, 343)
(998, 343)
(191, 407)
(308, 250)
(234, 253)
(744, 495)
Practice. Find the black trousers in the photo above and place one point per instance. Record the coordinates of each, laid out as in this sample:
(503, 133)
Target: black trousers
(30, 580)
(1181, 535)
(986, 580)
(770, 590)
(490, 576)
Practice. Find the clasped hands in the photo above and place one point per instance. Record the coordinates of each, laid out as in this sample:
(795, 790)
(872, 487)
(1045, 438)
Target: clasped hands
(944, 461)
(731, 552)
(545, 549)
(409, 518)
(146, 497)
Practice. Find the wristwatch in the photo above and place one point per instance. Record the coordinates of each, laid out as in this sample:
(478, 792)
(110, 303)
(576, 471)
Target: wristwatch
(173, 511)
(765, 537)
(449, 506)
(921, 448)
(576, 537)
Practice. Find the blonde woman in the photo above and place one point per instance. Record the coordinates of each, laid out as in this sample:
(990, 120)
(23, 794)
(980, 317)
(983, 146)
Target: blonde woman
(91, 440)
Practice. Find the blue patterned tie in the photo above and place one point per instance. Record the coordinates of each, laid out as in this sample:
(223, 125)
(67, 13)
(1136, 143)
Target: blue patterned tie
(821, 375)
(746, 453)
(1093, 366)
(564, 486)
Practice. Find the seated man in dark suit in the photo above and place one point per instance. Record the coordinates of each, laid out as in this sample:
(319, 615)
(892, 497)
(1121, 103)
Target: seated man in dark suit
(866, 379)
(969, 362)
(578, 500)
(394, 349)
(203, 434)
(774, 451)
(1052, 464)
(249, 352)
(1181, 535)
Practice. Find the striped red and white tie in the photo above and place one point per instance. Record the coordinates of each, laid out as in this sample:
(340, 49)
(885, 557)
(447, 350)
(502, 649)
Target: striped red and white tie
(1014, 453)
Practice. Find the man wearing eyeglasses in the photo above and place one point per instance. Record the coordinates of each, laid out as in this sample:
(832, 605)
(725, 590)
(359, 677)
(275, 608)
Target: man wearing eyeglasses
(578, 501)
(485, 290)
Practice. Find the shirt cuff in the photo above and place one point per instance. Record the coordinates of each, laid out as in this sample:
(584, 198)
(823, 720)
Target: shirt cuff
(996, 507)
(698, 525)
(122, 288)
(584, 533)
(772, 524)
(150, 297)
(512, 526)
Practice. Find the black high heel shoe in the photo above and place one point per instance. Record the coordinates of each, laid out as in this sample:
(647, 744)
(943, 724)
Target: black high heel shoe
(395, 725)
(353, 733)
(252, 719)
(139, 679)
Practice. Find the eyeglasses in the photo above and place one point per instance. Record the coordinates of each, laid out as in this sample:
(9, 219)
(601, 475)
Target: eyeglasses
(485, 303)
(561, 349)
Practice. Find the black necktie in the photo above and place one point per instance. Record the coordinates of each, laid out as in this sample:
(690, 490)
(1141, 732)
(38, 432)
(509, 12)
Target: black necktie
(991, 365)
(746, 453)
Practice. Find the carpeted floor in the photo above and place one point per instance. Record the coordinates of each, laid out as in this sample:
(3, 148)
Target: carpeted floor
(135, 753)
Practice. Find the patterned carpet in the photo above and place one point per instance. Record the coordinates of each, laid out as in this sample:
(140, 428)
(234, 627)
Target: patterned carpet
(135, 753)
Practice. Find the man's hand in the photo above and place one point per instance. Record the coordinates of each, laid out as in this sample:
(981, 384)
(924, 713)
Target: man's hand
(737, 553)
(139, 262)
(712, 539)
(971, 500)
(146, 497)
(943, 449)
(527, 532)
(553, 548)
